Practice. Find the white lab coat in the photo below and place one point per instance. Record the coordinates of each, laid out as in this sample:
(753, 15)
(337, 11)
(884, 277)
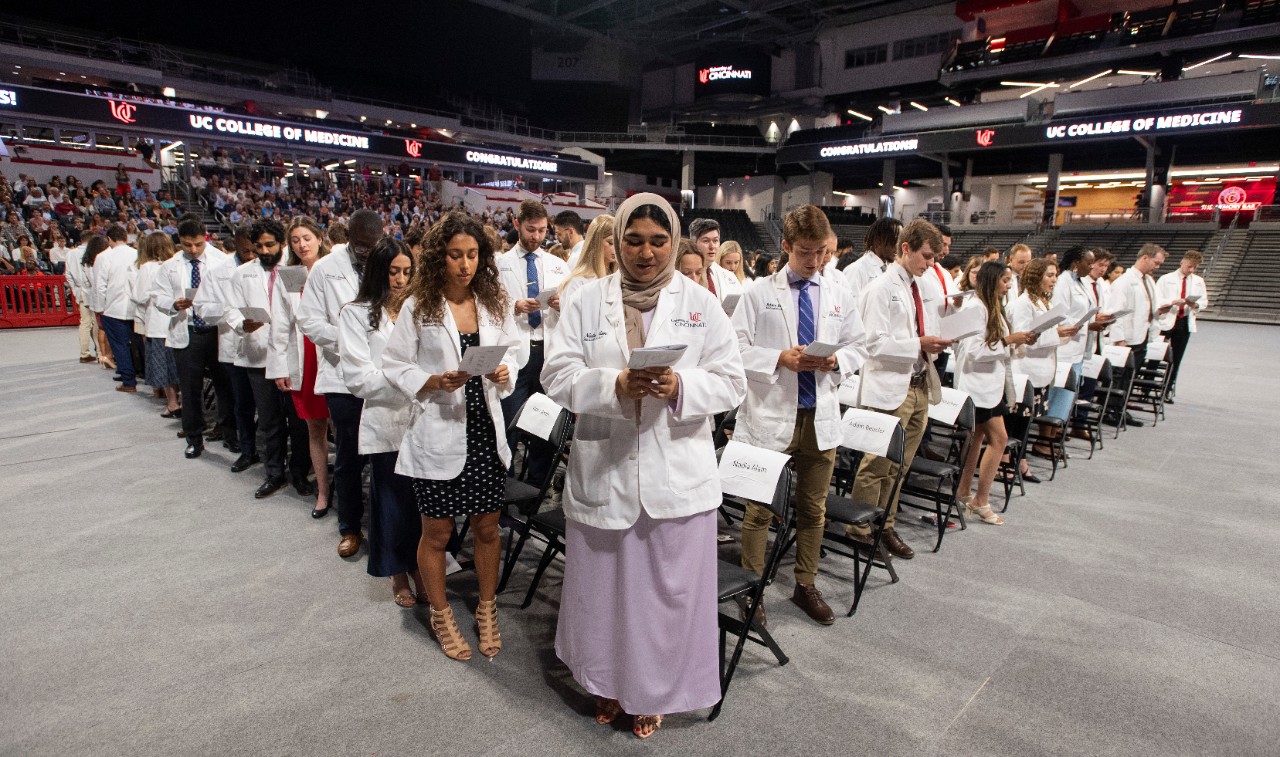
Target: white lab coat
(936, 288)
(981, 369)
(861, 272)
(1169, 288)
(765, 326)
(435, 446)
(285, 358)
(1075, 295)
(213, 304)
(331, 284)
(248, 288)
(725, 280)
(664, 461)
(386, 414)
(893, 347)
(1039, 361)
(155, 323)
(78, 277)
(513, 272)
(1127, 293)
(114, 273)
(170, 284)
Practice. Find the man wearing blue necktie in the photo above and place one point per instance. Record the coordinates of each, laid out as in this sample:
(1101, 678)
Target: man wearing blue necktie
(792, 403)
(527, 271)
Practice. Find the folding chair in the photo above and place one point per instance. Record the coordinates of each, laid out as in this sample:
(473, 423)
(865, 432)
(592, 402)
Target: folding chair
(522, 493)
(1059, 406)
(1010, 471)
(1090, 410)
(1151, 382)
(735, 582)
(931, 485)
(1120, 387)
(865, 433)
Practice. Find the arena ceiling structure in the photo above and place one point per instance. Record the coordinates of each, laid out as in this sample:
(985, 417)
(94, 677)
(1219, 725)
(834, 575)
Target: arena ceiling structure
(674, 31)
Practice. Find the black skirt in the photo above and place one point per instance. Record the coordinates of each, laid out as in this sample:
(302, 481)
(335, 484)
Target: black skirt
(983, 414)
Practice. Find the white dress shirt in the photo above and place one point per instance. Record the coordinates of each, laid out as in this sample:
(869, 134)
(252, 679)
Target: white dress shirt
(513, 270)
(1169, 288)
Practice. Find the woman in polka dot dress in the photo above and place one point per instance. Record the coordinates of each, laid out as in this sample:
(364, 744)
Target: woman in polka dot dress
(456, 448)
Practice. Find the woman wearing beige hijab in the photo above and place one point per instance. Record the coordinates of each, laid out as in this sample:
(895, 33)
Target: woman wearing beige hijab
(638, 615)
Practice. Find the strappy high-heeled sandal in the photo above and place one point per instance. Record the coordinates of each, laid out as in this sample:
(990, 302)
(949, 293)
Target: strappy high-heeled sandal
(646, 725)
(445, 629)
(607, 710)
(984, 514)
(487, 628)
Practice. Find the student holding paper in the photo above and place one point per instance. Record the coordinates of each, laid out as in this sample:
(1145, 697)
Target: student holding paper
(638, 613)
(704, 236)
(212, 303)
(983, 372)
(291, 356)
(1038, 361)
(456, 449)
(1133, 299)
(363, 329)
(899, 378)
(792, 403)
(253, 288)
(162, 371)
(1186, 295)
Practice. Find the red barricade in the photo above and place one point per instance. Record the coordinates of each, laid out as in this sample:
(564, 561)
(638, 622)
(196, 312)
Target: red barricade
(27, 301)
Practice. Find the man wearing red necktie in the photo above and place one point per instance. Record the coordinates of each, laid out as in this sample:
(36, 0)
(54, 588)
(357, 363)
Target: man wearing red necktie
(1185, 295)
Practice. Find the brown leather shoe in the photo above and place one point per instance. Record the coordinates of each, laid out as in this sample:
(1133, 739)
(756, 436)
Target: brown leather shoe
(1081, 433)
(761, 618)
(895, 545)
(349, 545)
(88, 359)
(127, 389)
(809, 599)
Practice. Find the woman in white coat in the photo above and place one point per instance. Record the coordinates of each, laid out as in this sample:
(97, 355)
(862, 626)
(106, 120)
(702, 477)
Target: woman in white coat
(598, 259)
(983, 371)
(364, 325)
(162, 369)
(292, 360)
(456, 448)
(637, 620)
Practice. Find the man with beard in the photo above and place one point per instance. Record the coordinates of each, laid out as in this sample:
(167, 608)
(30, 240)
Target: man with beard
(333, 282)
(252, 288)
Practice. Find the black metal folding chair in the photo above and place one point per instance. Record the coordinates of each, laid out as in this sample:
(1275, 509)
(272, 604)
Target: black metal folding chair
(736, 583)
(843, 512)
(1151, 382)
(523, 494)
(1058, 408)
(931, 485)
(1009, 474)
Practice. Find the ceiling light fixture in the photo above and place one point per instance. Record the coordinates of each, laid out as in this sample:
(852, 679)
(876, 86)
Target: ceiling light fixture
(1261, 57)
(886, 111)
(863, 116)
(1098, 75)
(918, 106)
(1023, 84)
(1127, 72)
(953, 102)
(1206, 62)
(1040, 88)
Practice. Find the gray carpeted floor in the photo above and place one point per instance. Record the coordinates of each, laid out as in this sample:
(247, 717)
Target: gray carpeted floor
(151, 606)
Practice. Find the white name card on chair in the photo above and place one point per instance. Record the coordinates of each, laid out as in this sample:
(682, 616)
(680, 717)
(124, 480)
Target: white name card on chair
(1156, 350)
(750, 472)
(1020, 381)
(1061, 373)
(539, 416)
(949, 407)
(1116, 354)
(1092, 367)
(848, 392)
(867, 431)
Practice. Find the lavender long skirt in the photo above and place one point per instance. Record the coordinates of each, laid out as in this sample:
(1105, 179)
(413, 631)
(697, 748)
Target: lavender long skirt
(638, 613)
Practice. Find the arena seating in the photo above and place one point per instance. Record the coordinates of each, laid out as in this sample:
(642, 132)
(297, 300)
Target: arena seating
(1250, 291)
(735, 226)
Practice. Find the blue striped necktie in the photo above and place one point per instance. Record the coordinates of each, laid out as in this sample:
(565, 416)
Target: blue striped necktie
(531, 270)
(808, 392)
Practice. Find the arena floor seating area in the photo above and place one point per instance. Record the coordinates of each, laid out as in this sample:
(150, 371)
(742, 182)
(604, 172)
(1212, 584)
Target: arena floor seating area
(1126, 609)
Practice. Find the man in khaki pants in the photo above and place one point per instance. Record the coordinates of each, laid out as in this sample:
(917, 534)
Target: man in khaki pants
(81, 288)
(899, 369)
(792, 403)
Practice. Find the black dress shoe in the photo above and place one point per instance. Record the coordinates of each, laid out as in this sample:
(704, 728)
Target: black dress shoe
(232, 446)
(244, 462)
(1030, 478)
(194, 449)
(320, 513)
(272, 485)
(302, 486)
(1168, 400)
(1129, 420)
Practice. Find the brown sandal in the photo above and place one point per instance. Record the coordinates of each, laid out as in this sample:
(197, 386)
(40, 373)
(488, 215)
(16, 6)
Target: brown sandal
(487, 628)
(405, 598)
(607, 710)
(445, 629)
(646, 725)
